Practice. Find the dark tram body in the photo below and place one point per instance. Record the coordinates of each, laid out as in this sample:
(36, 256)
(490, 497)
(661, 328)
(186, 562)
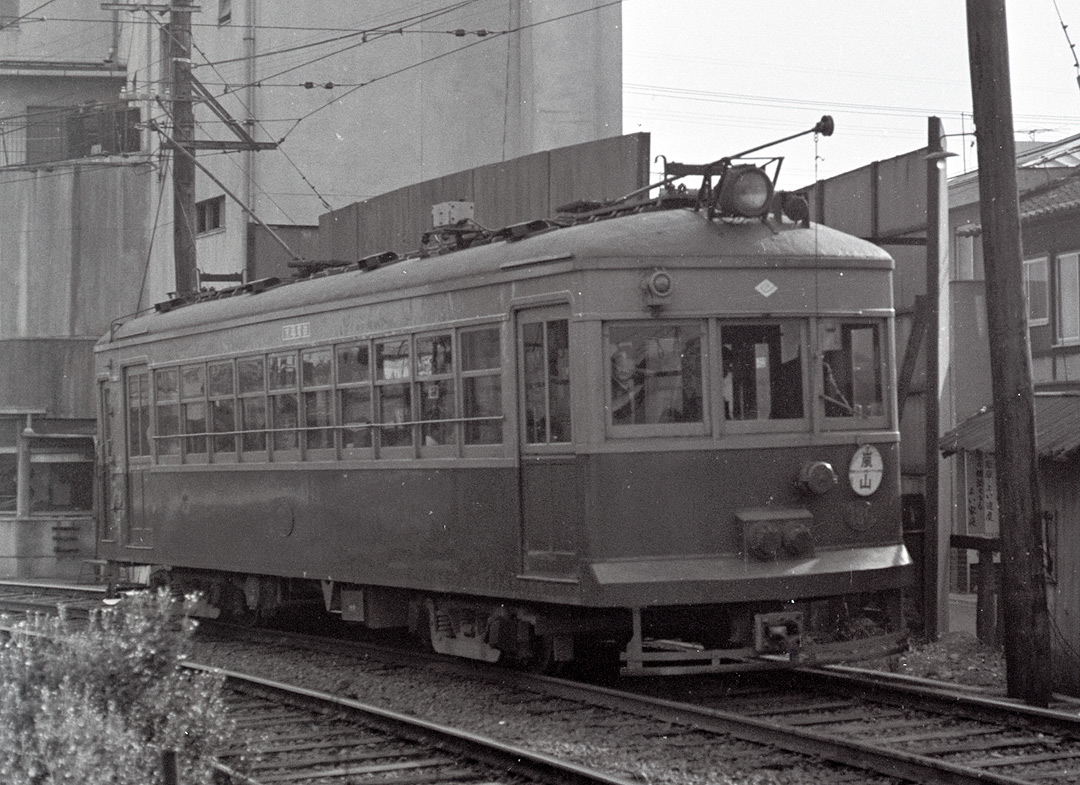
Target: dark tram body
(665, 432)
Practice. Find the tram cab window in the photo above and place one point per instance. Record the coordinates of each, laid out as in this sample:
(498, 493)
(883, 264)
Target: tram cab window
(851, 362)
(762, 371)
(656, 374)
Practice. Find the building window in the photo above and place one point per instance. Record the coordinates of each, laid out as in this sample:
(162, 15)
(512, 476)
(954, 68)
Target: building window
(209, 215)
(224, 15)
(1037, 291)
(1068, 297)
(63, 133)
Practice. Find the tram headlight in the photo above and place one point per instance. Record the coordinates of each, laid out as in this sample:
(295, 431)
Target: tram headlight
(745, 191)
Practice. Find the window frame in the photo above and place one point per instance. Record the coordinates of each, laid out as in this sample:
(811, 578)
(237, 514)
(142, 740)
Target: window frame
(142, 376)
(340, 387)
(1060, 261)
(291, 452)
(326, 451)
(256, 454)
(207, 212)
(496, 372)
(381, 384)
(849, 423)
(1028, 265)
(216, 455)
(801, 424)
(451, 447)
(174, 454)
(189, 440)
(683, 429)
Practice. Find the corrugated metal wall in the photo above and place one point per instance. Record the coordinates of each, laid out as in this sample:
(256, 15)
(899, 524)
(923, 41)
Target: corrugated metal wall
(504, 193)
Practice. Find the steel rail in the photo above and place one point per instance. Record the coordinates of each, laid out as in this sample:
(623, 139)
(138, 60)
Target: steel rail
(512, 760)
(849, 752)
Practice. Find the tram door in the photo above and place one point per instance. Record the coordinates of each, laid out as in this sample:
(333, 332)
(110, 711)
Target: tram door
(111, 464)
(551, 509)
(135, 459)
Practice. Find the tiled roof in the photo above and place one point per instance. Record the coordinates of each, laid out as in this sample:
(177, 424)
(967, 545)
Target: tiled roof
(1057, 429)
(1056, 197)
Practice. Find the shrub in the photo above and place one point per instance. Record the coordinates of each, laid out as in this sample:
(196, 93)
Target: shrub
(98, 703)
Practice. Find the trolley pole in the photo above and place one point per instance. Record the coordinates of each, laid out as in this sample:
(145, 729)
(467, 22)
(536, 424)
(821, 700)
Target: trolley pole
(183, 114)
(1027, 628)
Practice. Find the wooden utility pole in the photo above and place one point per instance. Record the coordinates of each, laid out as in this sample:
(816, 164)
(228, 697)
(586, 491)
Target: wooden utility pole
(183, 115)
(1027, 628)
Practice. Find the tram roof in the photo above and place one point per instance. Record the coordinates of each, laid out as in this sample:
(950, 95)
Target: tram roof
(674, 237)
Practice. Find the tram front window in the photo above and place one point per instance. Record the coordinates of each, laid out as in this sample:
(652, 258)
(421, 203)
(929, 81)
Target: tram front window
(656, 374)
(851, 369)
(763, 371)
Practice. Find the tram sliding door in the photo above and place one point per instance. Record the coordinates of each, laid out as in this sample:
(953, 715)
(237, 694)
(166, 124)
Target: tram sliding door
(551, 508)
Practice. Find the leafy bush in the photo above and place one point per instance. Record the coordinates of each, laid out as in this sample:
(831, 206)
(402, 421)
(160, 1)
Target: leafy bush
(98, 703)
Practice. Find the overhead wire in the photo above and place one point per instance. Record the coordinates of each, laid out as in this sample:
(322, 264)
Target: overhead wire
(440, 56)
(14, 22)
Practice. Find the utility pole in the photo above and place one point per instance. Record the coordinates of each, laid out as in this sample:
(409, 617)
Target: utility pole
(183, 115)
(1027, 627)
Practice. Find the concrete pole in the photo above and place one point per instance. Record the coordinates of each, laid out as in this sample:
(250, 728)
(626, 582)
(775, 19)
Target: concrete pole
(22, 470)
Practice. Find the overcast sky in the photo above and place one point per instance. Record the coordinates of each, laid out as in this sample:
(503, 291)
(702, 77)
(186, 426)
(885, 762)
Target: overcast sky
(710, 78)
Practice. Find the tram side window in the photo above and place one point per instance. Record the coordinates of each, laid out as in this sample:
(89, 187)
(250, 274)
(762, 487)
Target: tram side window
(138, 410)
(193, 407)
(284, 412)
(318, 408)
(481, 385)
(656, 374)
(762, 371)
(393, 375)
(354, 395)
(251, 373)
(435, 389)
(851, 368)
(167, 404)
(222, 406)
(546, 348)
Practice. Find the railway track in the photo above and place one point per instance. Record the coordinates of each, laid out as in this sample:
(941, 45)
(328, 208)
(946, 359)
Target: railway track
(894, 728)
(290, 734)
(26, 597)
(897, 729)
